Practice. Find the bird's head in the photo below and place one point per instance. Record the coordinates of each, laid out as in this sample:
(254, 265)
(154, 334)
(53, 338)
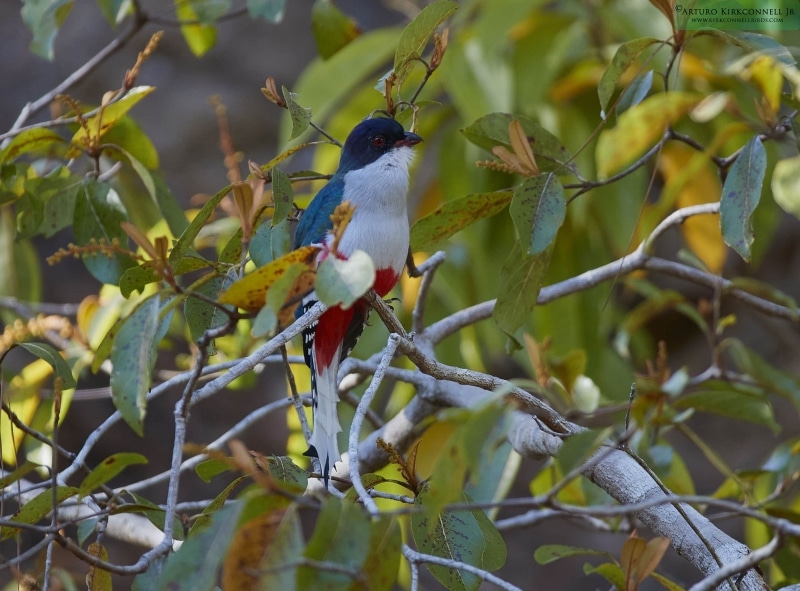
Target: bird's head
(371, 139)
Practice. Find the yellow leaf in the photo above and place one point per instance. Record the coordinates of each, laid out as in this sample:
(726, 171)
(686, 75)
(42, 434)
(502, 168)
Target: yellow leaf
(247, 549)
(23, 396)
(691, 179)
(584, 77)
(692, 66)
(98, 579)
(302, 285)
(106, 117)
(651, 557)
(249, 293)
(632, 551)
(639, 128)
(765, 73)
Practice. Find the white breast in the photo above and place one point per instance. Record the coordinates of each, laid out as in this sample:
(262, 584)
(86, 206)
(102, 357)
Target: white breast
(380, 222)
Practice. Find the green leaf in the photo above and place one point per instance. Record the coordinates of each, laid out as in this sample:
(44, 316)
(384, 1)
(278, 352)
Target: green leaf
(609, 571)
(282, 196)
(453, 216)
(639, 128)
(343, 281)
(136, 278)
(552, 552)
(133, 355)
(417, 34)
(521, 278)
(195, 565)
(155, 514)
(20, 272)
(332, 28)
(115, 11)
(270, 242)
(740, 196)
(383, 560)
(18, 474)
(477, 432)
(30, 213)
(44, 18)
(184, 243)
(143, 173)
(199, 36)
(47, 353)
(209, 11)
(786, 185)
(735, 401)
(538, 209)
(169, 207)
(204, 519)
(283, 469)
(231, 253)
(97, 218)
(86, 528)
(108, 469)
(625, 55)
(635, 93)
(202, 315)
(268, 319)
(31, 140)
(770, 378)
(301, 116)
(755, 43)
(210, 468)
(492, 130)
(127, 134)
(36, 509)
(271, 10)
(57, 191)
(464, 536)
(342, 536)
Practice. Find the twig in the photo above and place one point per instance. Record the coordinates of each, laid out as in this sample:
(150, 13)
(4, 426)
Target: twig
(415, 557)
(428, 271)
(19, 424)
(745, 563)
(181, 414)
(358, 419)
(87, 68)
(298, 403)
(217, 445)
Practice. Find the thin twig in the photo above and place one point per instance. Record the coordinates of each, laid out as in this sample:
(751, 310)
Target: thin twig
(745, 563)
(358, 419)
(415, 557)
(298, 403)
(76, 76)
(428, 271)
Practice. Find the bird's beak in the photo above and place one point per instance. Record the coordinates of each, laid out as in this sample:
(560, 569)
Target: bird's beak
(409, 139)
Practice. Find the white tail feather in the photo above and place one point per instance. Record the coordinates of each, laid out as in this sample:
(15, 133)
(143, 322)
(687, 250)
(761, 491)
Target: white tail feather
(326, 420)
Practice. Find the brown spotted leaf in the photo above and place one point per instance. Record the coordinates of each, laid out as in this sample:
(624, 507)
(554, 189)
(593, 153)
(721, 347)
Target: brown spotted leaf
(249, 293)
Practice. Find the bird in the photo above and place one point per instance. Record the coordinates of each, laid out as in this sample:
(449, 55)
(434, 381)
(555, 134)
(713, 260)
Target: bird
(373, 175)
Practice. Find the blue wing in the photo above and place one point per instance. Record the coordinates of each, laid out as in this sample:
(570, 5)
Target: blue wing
(316, 219)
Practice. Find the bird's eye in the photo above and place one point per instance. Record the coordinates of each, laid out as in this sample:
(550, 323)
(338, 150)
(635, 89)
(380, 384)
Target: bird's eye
(378, 141)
